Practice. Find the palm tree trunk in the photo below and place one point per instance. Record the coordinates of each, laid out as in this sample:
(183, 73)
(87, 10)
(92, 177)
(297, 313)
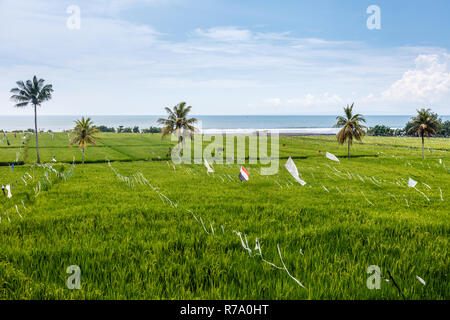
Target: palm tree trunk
(36, 134)
(348, 155)
(82, 156)
(423, 147)
(178, 131)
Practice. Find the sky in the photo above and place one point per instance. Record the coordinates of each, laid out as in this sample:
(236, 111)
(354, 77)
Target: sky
(228, 57)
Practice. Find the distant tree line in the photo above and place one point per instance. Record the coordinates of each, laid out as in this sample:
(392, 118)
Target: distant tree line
(102, 128)
(122, 129)
(20, 131)
(152, 130)
(381, 130)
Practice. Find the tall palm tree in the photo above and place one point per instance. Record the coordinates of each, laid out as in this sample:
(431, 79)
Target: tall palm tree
(35, 92)
(426, 123)
(177, 121)
(351, 127)
(84, 134)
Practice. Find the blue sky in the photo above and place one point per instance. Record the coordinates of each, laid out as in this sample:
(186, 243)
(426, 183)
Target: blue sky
(228, 57)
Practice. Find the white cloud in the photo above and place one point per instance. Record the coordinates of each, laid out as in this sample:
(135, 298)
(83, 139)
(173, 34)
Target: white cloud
(428, 82)
(273, 102)
(114, 7)
(111, 63)
(224, 34)
(428, 85)
(308, 100)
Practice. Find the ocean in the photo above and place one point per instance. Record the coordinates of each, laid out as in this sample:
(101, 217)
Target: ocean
(209, 124)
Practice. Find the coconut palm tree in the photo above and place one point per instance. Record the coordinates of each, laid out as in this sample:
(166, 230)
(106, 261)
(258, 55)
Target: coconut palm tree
(426, 123)
(35, 92)
(177, 121)
(351, 127)
(84, 134)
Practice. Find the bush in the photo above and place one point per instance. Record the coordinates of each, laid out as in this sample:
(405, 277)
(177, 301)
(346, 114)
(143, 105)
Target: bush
(122, 129)
(445, 129)
(152, 130)
(408, 126)
(106, 129)
(380, 130)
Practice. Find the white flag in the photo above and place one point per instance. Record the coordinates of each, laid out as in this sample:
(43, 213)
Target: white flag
(332, 157)
(412, 183)
(257, 246)
(292, 168)
(421, 280)
(207, 166)
(8, 188)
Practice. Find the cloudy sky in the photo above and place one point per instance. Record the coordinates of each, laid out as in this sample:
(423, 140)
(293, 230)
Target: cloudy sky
(228, 56)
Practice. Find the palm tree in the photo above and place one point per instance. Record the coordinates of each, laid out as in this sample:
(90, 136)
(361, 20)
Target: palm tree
(177, 121)
(426, 123)
(84, 134)
(34, 92)
(351, 127)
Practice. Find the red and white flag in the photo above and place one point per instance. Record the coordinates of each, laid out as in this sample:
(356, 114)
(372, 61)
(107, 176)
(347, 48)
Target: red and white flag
(244, 175)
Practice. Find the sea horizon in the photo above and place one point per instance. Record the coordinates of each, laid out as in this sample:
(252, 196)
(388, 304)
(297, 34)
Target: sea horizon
(209, 123)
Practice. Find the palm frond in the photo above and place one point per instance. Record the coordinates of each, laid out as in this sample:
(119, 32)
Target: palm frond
(177, 121)
(351, 126)
(21, 104)
(32, 91)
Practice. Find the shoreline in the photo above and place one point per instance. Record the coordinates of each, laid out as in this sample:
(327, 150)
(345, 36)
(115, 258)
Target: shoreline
(234, 124)
(253, 131)
(282, 132)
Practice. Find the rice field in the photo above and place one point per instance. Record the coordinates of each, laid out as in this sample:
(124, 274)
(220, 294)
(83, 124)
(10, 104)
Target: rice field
(141, 227)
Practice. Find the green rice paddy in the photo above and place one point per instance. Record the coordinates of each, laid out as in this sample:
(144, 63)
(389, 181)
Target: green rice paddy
(176, 235)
